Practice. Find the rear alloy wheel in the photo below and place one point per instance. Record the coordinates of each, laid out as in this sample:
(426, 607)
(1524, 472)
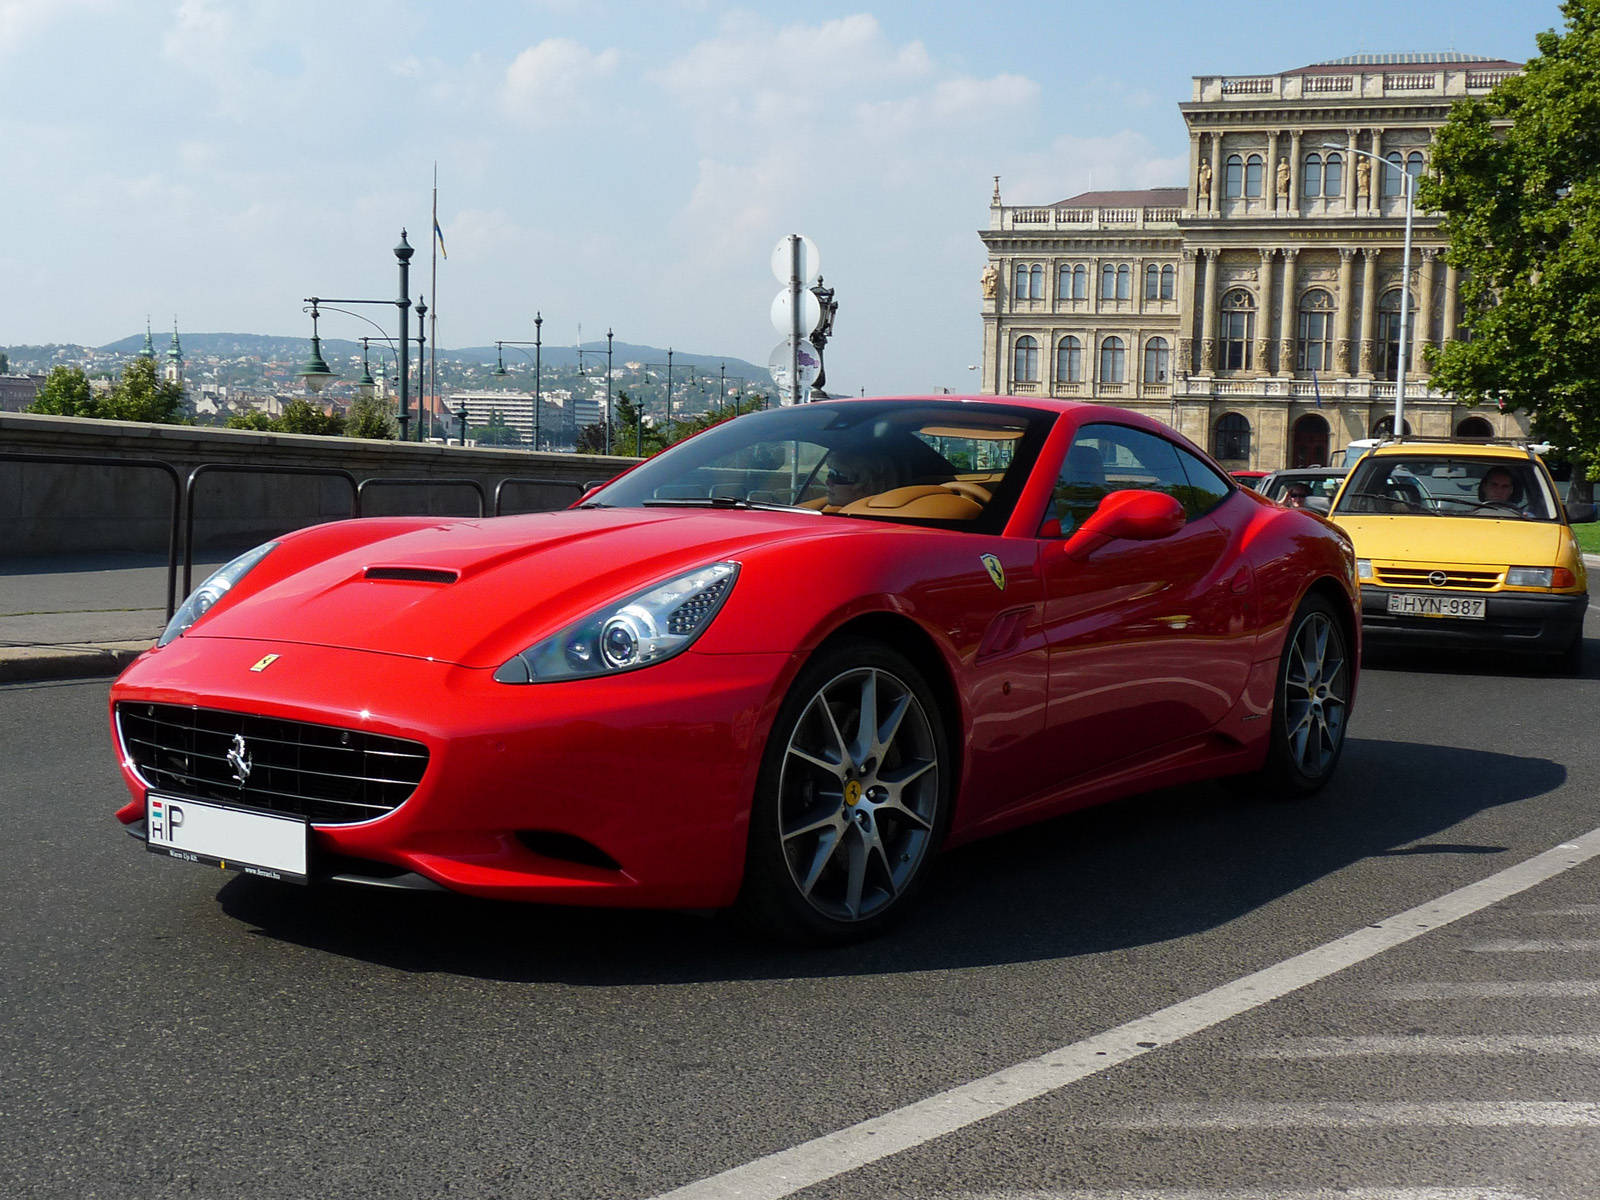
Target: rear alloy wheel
(1311, 707)
(852, 798)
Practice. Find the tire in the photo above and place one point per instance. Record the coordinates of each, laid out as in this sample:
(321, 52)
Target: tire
(847, 815)
(1570, 660)
(1311, 704)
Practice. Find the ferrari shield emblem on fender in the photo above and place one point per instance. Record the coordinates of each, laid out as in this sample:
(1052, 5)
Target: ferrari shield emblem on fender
(265, 662)
(997, 573)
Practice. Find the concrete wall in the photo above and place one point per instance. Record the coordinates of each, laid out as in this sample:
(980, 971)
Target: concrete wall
(54, 509)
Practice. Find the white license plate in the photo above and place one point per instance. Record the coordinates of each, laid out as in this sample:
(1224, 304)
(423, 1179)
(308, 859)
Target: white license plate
(196, 831)
(1409, 604)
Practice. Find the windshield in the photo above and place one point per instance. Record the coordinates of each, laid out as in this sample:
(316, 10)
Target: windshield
(1436, 485)
(958, 464)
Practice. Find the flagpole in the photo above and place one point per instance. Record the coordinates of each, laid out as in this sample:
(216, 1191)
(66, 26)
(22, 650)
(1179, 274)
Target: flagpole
(433, 358)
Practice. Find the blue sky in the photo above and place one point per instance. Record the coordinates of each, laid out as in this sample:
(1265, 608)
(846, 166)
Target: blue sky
(609, 163)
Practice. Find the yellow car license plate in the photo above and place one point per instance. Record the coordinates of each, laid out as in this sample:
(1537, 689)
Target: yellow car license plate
(1408, 604)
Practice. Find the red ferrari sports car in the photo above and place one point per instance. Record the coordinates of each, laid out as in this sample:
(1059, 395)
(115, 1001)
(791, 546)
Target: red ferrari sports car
(776, 667)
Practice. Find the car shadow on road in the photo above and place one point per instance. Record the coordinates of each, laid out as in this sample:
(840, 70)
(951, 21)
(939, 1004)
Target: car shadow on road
(1148, 869)
(1488, 662)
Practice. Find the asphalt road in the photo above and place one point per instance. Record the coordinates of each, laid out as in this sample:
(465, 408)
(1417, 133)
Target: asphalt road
(170, 1030)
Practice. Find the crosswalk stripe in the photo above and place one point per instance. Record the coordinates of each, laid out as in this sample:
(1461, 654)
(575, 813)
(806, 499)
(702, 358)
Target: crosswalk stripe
(1355, 1193)
(1522, 989)
(1345, 1114)
(1427, 1044)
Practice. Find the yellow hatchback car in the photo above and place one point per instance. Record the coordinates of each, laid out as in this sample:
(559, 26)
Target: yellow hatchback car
(1465, 544)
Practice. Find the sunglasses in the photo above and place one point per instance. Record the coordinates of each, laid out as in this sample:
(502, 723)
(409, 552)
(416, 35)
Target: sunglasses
(839, 479)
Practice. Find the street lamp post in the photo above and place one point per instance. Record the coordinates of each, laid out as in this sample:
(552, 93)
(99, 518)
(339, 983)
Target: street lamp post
(608, 389)
(1406, 186)
(500, 371)
(422, 357)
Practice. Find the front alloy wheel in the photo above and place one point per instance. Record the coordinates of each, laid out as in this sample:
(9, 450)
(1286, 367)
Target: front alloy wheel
(1313, 700)
(852, 797)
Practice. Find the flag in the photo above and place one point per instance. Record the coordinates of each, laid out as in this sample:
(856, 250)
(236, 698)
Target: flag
(439, 233)
(1316, 390)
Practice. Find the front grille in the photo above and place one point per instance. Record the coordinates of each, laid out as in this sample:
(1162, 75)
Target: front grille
(1415, 577)
(328, 775)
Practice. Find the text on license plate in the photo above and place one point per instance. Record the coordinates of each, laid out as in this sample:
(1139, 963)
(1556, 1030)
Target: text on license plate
(1412, 605)
(254, 842)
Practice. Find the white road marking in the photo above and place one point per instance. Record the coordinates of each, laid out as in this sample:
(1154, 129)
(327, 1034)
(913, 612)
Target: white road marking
(1538, 946)
(1347, 1114)
(1359, 1193)
(1427, 1044)
(1528, 989)
(788, 1171)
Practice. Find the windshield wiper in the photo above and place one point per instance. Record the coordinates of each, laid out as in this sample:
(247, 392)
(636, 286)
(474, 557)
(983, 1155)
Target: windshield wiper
(716, 502)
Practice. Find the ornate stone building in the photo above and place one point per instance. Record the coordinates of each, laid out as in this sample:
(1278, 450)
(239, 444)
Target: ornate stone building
(1257, 310)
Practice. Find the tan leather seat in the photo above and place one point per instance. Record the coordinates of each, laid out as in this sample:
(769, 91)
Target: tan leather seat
(924, 501)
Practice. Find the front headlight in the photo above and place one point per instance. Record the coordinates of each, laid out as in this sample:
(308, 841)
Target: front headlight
(213, 589)
(1363, 568)
(637, 632)
(1539, 577)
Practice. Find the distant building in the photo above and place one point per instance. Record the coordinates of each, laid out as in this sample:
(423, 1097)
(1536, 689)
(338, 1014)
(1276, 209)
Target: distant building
(1256, 309)
(19, 391)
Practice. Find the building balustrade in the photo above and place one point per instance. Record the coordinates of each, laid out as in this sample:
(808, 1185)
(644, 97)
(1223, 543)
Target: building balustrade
(1084, 218)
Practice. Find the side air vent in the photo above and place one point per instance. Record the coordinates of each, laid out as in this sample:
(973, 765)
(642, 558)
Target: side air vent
(412, 574)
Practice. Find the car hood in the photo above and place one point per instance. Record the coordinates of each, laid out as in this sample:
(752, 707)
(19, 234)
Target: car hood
(476, 592)
(1454, 541)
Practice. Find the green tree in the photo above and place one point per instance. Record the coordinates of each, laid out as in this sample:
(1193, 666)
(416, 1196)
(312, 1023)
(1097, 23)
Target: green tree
(1517, 177)
(370, 417)
(496, 432)
(142, 395)
(254, 419)
(5, 363)
(301, 416)
(65, 393)
(624, 434)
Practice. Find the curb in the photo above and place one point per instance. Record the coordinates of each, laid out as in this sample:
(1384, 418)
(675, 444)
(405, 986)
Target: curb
(38, 664)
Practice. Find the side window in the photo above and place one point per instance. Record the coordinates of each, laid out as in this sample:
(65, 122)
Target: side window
(1207, 488)
(1113, 458)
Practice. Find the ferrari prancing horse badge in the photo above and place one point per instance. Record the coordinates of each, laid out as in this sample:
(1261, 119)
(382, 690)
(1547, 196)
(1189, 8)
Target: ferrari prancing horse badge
(997, 573)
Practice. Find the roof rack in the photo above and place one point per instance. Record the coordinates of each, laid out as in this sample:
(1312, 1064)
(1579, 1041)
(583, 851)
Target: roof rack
(1534, 449)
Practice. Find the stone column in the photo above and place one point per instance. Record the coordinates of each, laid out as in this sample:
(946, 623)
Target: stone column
(1375, 197)
(1263, 365)
(1216, 173)
(1350, 160)
(1185, 362)
(1347, 298)
(1286, 326)
(1369, 309)
(1452, 284)
(1424, 319)
(1194, 171)
(1208, 314)
(1294, 171)
(1269, 177)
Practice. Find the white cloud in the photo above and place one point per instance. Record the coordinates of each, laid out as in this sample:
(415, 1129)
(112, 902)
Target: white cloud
(18, 18)
(554, 81)
(1072, 164)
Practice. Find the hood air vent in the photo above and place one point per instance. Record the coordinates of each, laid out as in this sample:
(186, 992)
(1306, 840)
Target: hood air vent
(412, 574)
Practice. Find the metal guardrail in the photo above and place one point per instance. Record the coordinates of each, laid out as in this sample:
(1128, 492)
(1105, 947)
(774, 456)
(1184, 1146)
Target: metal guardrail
(520, 481)
(421, 481)
(249, 469)
(86, 460)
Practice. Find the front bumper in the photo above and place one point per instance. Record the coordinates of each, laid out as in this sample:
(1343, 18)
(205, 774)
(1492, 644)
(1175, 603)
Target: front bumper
(1517, 621)
(655, 768)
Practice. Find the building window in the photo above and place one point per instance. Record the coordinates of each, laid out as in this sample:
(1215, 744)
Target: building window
(1069, 360)
(1316, 331)
(1333, 175)
(1414, 168)
(1168, 279)
(1230, 438)
(1238, 331)
(1252, 176)
(1080, 282)
(1473, 427)
(1025, 360)
(1311, 176)
(1385, 428)
(1152, 282)
(1020, 291)
(1113, 360)
(1389, 332)
(1233, 178)
(1036, 282)
(1108, 281)
(1124, 282)
(1393, 165)
(1157, 361)
(1072, 282)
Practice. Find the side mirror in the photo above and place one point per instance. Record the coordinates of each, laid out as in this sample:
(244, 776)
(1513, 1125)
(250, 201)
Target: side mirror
(1134, 516)
(1582, 514)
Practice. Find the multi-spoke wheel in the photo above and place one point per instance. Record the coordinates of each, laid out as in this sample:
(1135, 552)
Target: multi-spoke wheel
(851, 800)
(1312, 704)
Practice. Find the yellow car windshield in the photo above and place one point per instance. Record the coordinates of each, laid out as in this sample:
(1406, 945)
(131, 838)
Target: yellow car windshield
(1435, 485)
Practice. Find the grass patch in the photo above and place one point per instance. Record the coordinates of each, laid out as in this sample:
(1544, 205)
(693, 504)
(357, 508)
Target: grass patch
(1588, 536)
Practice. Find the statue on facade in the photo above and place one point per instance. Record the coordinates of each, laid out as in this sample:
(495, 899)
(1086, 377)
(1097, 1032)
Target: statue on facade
(1205, 181)
(1364, 177)
(991, 281)
(1283, 178)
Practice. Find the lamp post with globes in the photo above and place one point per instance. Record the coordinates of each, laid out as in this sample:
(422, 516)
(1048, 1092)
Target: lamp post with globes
(538, 371)
(1408, 189)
